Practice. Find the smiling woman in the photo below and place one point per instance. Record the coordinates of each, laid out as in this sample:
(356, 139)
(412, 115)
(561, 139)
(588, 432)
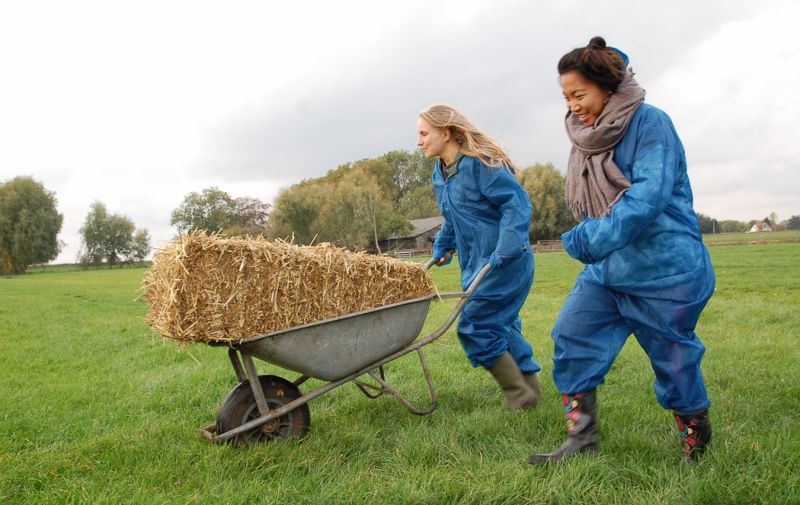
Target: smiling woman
(647, 271)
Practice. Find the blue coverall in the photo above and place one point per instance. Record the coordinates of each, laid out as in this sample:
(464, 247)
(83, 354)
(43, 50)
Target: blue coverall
(647, 272)
(487, 214)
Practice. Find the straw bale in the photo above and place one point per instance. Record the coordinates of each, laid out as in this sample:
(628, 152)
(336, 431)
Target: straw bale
(206, 288)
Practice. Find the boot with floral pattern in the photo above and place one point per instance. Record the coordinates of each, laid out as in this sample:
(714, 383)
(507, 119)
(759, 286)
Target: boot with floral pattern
(695, 432)
(583, 434)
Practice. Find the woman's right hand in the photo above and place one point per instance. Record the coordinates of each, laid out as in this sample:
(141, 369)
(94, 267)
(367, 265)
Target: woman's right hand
(444, 260)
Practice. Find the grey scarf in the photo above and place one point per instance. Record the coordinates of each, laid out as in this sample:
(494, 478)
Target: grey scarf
(594, 182)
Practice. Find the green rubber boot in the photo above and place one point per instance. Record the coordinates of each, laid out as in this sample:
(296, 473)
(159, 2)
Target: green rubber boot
(519, 394)
(533, 381)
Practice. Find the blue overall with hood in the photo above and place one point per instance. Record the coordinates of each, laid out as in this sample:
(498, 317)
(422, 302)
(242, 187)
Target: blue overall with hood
(487, 214)
(647, 272)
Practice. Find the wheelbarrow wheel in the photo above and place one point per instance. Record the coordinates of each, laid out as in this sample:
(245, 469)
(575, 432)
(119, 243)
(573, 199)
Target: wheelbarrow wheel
(239, 407)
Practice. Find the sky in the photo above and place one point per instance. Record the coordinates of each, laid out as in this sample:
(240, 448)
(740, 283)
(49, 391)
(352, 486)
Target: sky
(137, 104)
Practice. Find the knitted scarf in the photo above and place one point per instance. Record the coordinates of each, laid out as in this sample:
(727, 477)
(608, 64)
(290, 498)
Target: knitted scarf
(594, 182)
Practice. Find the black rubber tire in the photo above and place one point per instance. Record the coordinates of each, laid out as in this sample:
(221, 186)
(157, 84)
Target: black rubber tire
(239, 407)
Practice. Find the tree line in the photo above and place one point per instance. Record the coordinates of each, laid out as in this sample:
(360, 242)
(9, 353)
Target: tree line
(358, 204)
(709, 225)
(30, 224)
(355, 205)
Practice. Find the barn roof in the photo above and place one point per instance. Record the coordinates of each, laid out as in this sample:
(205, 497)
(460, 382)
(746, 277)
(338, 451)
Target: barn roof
(421, 226)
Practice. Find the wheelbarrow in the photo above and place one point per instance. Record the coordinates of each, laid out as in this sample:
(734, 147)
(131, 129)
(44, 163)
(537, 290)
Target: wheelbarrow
(340, 350)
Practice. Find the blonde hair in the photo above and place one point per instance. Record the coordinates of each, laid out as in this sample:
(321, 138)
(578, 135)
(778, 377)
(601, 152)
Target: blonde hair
(471, 140)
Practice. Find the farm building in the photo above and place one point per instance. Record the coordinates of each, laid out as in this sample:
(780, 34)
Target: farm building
(420, 238)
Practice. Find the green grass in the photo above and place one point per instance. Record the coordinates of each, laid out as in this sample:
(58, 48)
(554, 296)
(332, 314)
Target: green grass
(97, 409)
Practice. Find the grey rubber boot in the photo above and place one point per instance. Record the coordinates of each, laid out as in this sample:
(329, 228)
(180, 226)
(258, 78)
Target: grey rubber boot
(583, 433)
(695, 432)
(519, 394)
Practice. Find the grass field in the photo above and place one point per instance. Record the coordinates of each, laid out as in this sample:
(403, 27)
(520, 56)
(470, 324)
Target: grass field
(97, 409)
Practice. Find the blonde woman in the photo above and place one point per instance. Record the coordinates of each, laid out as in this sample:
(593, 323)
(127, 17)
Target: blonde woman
(487, 215)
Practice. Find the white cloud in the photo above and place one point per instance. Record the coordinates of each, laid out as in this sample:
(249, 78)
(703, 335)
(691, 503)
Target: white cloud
(734, 102)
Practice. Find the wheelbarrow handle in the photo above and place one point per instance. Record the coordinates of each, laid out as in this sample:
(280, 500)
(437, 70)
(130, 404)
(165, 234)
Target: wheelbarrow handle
(477, 280)
(433, 261)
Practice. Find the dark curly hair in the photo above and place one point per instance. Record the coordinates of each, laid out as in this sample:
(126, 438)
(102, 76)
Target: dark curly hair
(595, 62)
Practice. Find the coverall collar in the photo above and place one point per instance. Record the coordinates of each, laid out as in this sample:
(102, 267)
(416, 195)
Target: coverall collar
(451, 169)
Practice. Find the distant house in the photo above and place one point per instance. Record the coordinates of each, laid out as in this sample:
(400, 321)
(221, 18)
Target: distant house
(420, 238)
(758, 227)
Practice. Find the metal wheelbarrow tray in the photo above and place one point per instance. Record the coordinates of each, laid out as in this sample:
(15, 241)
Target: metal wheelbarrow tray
(339, 350)
(334, 348)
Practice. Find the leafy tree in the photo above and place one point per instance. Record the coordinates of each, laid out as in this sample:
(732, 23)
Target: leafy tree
(214, 210)
(396, 172)
(140, 247)
(374, 209)
(732, 226)
(29, 225)
(380, 173)
(337, 217)
(251, 217)
(355, 212)
(412, 181)
(93, 233)
(419, 202)
(211, 210)
(349, 207)
(773, 218)
(708, 224)
(118, 245)
(545, 186)
(793, 223)
(295, 211)
(109, 238)
(412, 170)
(251, 212)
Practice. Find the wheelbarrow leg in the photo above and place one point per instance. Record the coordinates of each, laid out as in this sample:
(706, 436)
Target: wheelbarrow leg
(255, 384)
(237, 365)
(402, 399)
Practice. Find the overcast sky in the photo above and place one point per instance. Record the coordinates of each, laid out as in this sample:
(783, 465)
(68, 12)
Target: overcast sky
(136, 104)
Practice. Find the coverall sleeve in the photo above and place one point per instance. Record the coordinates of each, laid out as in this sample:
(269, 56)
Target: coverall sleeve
(500, 187)
(653, 175)
(445, 240)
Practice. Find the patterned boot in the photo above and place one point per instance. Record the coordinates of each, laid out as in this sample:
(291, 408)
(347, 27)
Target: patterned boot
(695, 432)
(583, 434)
